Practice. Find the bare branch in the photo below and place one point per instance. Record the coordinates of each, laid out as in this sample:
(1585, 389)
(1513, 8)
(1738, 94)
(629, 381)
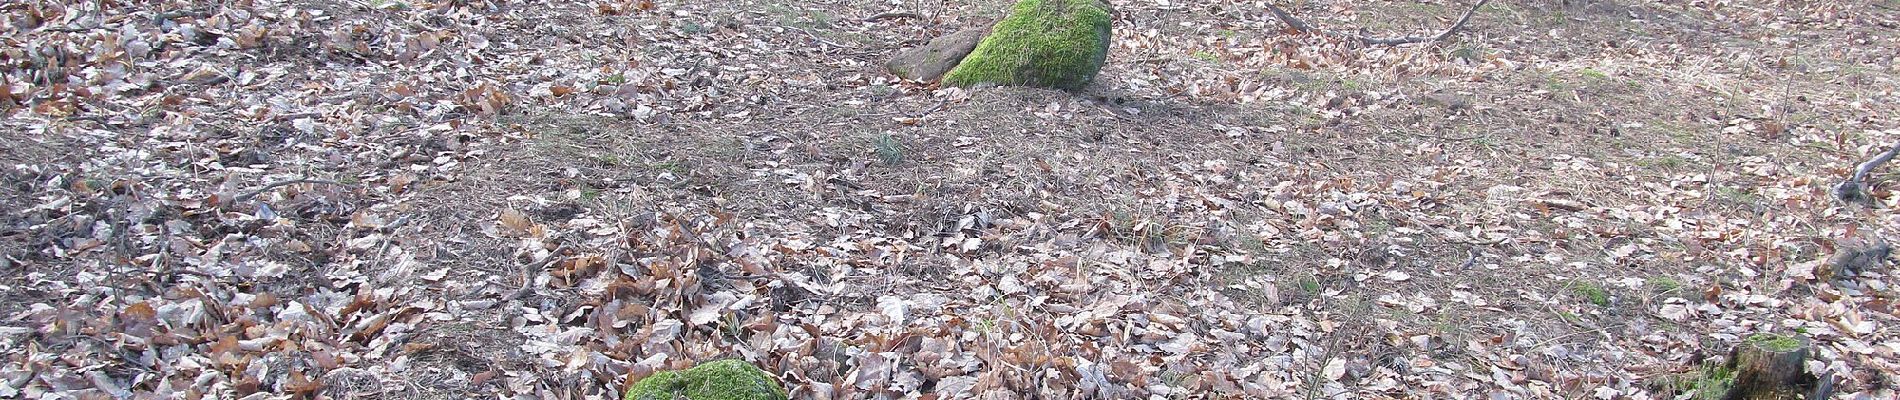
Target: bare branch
(1854, 190)
(1860, 173)
(1290, 20)
(1302, 26)
(893, 15)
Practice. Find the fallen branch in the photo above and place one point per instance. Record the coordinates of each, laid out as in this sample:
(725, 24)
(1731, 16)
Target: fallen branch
(1854, 189)
(893, 15)
(171, 15)
(273, 185)
(1853, 254)
(1302, 26)
(73, 29)
(933, 108)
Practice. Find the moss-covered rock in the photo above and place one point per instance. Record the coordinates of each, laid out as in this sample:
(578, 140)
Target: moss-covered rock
(929, 62)
(717, 380)
(1047, 43)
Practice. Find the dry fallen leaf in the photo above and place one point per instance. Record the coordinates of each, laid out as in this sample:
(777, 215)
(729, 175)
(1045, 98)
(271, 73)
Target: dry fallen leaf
(515, 223)
(670, 187)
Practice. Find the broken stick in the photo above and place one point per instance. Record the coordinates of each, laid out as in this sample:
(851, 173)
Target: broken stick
(1302, 26)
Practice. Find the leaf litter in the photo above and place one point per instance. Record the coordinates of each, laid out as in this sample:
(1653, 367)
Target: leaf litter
(452, 199)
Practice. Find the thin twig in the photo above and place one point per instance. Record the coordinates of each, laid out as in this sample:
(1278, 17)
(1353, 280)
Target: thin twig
(933, 108)
(1443, 138)
(287, 117)
(1547, 342)
(392, 225)
(815, 36)
(1302, 26)
(273, 185)
(73, 29)
(1312, 380)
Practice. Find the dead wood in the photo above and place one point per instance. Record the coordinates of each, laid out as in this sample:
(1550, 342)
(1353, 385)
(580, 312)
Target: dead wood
(273, 185)
(1854, 189)
(1302, 26)
(893, 15)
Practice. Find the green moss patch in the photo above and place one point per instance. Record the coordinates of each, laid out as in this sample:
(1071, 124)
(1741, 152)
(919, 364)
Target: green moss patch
(1774, 343)
(1047, 43)
(1725, 380)
(717, 380)
(1591, 292)
(1711, 382)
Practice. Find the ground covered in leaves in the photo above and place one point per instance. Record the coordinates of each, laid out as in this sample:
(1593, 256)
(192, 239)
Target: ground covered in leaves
(479, 199)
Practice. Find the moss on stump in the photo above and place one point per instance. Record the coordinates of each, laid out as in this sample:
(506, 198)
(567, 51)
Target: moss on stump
(717, 380)
(1762, 367)
(1047, 43)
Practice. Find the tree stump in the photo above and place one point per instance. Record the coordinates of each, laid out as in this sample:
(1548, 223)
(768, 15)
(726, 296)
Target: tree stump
(1774, 367)
(1762, 367)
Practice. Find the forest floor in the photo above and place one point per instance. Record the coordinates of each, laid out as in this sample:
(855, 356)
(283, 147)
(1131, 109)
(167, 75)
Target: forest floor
(463, 199)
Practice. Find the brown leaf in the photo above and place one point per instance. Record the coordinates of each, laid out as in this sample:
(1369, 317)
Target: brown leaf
(264, 300)
(140, 310)
(248, 385)
(1773, 129)
(400, 183)
(138, 319)
(514, 222)
(6, 93)
(324, 359)
(301, 384)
